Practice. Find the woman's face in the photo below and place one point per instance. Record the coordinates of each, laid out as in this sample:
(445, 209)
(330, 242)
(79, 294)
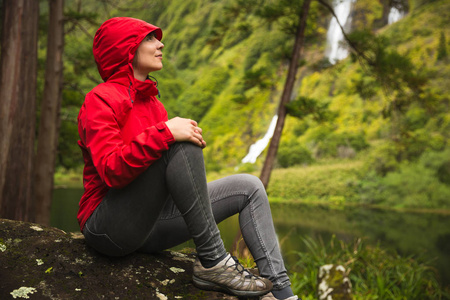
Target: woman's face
(148, 57)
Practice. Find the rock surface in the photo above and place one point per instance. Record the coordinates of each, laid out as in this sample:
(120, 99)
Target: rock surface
(46, 263)
(333, 283)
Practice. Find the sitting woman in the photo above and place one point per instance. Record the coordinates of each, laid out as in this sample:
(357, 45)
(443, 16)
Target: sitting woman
(144, 178)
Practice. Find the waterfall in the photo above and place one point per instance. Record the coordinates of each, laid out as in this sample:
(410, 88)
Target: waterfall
(335, 51)
(257, 148)
(395, 15)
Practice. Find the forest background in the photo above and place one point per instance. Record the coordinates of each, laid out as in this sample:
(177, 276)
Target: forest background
(372, 129)
(370, 134)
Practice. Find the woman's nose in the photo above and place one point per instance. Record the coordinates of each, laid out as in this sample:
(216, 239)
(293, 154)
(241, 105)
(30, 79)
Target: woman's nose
(161, 45)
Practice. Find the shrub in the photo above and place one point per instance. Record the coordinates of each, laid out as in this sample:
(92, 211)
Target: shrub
(314, 183)
(415, 186)
(293, 154)
(414, 144)
(382, 159)
(439, 162)
(420, 184)
(415, 118)
(331, 143)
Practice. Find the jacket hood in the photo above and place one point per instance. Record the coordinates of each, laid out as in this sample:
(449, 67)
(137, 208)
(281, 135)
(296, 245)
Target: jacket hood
(116, 41)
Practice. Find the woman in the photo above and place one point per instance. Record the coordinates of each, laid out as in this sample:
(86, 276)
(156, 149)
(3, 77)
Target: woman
(144, 176)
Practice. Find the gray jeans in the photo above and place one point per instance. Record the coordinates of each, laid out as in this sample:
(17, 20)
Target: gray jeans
(171, 202)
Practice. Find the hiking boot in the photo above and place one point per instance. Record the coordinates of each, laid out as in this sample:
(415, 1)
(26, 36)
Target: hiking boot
(230, 277)
(270, 296)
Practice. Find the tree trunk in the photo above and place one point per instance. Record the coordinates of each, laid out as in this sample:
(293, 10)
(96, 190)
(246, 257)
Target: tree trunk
(286, 96)
(17, 108)
(386, 10)
(50, 108)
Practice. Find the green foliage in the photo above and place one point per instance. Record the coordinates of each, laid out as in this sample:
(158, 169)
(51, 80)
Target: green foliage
(416, 186)
(195, 101)
(333, 183)
(327, 143)
(419, 185)
(416, 4)
(409, 103)
(374, 273)
(423, 184)
(225, 64)
(439, 162)
(68, 155)
(247, 168)
(232, 25)
(285, 13)
(364, 85)
(69, 178)
(394, 70)
(442, 49)
(382, 158)
(292, 154)
(303, 106)
(368, 13)
(255, 78)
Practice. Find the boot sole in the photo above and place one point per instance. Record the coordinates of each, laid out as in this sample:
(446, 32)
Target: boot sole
(211, 286)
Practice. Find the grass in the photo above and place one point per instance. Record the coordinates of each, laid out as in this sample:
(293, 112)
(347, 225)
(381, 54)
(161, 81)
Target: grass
(338, 183)
(374, 272)
(330, 182)
(72, 178)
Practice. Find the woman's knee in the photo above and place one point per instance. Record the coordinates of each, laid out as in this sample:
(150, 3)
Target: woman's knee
(187, 149)
(249, 183)
(187, 146)
(254, 181)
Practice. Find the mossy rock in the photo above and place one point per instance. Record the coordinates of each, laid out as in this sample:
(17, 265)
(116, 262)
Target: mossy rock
(46, 263)
(333, 283)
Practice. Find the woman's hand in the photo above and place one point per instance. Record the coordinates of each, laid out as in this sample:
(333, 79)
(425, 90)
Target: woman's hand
(186, 130)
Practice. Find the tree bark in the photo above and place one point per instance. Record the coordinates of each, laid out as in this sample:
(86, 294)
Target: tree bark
(17, 108)
(386, 9)
(286, 96)
(50, 108)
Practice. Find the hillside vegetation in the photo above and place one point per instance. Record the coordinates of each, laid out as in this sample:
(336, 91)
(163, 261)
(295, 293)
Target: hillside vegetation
(385, 122)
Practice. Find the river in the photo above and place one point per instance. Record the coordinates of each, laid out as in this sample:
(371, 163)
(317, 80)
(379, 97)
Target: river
(416, 234)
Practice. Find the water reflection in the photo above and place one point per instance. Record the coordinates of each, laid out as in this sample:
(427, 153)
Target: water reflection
(64, 209)
(408, 233)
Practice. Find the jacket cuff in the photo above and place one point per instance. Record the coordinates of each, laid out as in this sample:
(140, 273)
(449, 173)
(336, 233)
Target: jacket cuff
(165, 131)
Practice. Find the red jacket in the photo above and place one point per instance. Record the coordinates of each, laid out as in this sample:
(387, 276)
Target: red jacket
(121, 123)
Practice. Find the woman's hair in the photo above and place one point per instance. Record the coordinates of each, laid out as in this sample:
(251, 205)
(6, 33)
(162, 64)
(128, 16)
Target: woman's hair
(151, 35)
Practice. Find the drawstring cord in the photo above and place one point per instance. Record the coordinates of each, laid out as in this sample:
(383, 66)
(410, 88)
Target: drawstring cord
(129, 93)
(151, 77)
